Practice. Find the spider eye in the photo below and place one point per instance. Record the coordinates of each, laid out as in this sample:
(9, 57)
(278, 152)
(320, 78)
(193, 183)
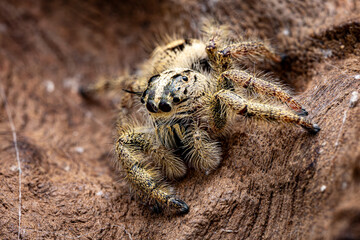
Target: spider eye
(185, 78)
(165, 106)
(176, 100)
(150, 105)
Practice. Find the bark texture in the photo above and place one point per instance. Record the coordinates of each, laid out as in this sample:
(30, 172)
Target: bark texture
(274, 182)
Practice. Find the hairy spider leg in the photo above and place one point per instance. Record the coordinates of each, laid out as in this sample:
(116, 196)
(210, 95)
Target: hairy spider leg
(131, 146)
(107, 85)
(172, 166)
(231, 100)
(250, 48)
(202, 152)
(199, 150)
(221, 58)
(260, 86)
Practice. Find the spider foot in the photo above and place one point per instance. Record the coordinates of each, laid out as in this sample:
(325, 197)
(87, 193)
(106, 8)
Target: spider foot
(302, 112)
(180, 206)
(314, 129)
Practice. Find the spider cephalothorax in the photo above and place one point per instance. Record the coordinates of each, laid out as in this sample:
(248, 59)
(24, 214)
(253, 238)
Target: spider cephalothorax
(191, 90)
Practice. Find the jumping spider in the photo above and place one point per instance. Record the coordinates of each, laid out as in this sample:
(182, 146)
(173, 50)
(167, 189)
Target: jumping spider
(192, 89)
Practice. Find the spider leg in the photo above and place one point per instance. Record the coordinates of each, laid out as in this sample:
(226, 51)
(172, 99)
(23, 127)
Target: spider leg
(202, 152)
(171, 165)
(255, 49)
(229, 99)
(260, 86)
(131, 146)
(221, 58)
(98, 87)
(103, 86)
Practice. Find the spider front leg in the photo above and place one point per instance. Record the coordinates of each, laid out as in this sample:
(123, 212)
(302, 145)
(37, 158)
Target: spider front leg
(202, 152)
(228, 99)
(131, 148)
(221, 58)
(260, 86)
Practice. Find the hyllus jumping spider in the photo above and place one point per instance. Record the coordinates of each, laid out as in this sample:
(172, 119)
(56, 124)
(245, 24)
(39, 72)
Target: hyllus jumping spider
(191, 90)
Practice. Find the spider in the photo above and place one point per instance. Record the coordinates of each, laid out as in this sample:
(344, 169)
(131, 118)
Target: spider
(191, 90)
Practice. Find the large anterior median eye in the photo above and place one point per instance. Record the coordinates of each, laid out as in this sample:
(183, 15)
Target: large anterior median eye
(151, 106)
(165, 106)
